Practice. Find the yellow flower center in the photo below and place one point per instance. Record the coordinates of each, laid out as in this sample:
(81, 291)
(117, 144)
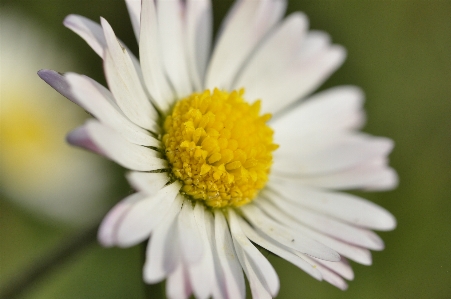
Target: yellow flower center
(219, 147)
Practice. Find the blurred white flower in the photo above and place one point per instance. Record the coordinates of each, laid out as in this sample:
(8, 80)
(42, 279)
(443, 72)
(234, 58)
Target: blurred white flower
(37, 170)
(205, 163)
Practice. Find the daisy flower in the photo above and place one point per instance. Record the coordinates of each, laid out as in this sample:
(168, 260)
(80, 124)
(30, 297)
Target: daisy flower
(38, 172)
(214, 174)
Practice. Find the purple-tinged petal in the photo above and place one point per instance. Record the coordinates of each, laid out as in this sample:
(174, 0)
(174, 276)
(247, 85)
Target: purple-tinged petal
(58, 82)
(80, 137)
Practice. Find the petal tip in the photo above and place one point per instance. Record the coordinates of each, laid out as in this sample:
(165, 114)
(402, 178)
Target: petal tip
(80, 137)
(50, 76)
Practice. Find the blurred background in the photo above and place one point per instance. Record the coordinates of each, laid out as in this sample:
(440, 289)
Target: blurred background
(399, 52)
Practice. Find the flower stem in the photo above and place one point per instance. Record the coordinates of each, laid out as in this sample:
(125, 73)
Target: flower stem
(44, 266)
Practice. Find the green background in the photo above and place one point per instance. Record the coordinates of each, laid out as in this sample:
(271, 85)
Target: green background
(399, 52)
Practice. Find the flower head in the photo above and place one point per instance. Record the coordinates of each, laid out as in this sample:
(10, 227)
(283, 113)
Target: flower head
(219, 147)
(213, 173)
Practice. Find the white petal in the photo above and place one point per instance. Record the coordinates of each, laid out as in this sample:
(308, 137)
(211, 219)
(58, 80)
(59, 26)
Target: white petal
(125, 83)
(287, 237)
(98, 101)
(255, 284)
(271, 13)
(230, 266)
(329, 276)
(199, 25)
(147, 182)
(150, 54)
(314, 42)
(202, 274)
(367, 176)
(177, 285)
(279, 249)
(107, 234)
(142, 217)
(259, 265)
(163, 250)
(134, 10)
(245, 26)
(90, 31)
(357, 254)
(172, 41)
(218, 284)
(347, 207)
(93, 34)
(280, 89)
(337, 108)
(311, 141)
(276, 54)
(189, 235)
(299, 147)
(91, 89)
(346, 151)
(342, 267)
(387, 179)
(313, 70)
(328, 225)
(115, 147)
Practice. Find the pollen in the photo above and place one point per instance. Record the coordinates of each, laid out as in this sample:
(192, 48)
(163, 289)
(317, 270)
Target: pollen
(219, 147)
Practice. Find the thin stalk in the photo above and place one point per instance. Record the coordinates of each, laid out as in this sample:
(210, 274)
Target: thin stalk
(44, 266)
